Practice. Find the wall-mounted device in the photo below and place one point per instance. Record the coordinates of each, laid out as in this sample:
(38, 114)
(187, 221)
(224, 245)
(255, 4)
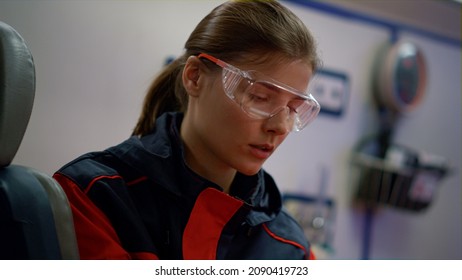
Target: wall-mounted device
(401, 77)
(330, 88)
(392, 174)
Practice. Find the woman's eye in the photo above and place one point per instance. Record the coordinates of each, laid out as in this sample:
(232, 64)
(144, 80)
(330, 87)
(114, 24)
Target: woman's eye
(259, 93)
(258, 97)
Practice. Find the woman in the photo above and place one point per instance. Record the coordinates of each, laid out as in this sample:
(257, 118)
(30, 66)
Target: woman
(189, 184)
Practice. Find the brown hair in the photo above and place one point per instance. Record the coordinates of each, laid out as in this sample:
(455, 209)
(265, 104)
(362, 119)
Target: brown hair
(232, 31)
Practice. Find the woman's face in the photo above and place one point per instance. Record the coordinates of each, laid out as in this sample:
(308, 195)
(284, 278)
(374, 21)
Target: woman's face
(225, 136)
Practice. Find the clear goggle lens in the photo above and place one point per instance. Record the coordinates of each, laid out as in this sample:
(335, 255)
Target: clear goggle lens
(261, 97)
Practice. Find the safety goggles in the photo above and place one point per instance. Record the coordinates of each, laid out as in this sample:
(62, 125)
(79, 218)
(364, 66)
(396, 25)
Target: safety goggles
(260, 96)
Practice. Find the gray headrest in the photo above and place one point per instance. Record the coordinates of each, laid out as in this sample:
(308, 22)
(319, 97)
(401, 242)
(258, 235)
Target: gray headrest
(17, 91)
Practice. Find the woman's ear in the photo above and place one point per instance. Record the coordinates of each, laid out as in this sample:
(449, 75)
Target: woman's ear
(191, 74)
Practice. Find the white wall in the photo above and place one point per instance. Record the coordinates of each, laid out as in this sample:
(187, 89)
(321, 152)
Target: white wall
(95, 59)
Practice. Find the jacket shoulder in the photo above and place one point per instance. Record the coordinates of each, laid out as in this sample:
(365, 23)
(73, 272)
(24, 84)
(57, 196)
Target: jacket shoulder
(286, 227)
(86, 168)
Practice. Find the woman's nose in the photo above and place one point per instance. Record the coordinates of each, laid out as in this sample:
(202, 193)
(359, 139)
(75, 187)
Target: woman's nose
(280, 122)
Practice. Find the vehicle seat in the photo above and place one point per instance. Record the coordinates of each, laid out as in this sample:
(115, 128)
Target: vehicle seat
(35, 217)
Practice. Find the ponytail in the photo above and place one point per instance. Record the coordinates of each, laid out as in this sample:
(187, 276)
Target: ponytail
(165, 94)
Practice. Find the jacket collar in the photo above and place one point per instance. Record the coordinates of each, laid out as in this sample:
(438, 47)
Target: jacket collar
(160, 157)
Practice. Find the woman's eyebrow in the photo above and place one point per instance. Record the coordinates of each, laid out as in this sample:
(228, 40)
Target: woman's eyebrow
(278, 89)
(270, 86)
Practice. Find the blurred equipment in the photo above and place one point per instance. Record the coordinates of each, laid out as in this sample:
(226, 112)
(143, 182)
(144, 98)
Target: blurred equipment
(390, 174)
(401, 77)
(403, 178)
(316, 215)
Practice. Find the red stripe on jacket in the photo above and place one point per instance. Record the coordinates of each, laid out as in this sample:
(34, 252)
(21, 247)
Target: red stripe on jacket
(293, 243)
(96, 238)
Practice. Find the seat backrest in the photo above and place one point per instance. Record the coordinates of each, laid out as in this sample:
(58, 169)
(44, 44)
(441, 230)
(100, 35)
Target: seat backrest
(35, 217)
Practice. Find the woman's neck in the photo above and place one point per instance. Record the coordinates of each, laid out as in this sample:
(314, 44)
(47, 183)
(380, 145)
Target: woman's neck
(202, 162)
(222, 178)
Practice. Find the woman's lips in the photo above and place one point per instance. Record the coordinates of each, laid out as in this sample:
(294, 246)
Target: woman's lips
(261, 151)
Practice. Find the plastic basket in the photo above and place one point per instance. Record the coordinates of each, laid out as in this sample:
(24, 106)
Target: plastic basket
(402, 178)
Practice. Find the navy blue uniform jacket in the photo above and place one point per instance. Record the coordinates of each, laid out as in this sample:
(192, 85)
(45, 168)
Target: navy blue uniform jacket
(139, 200)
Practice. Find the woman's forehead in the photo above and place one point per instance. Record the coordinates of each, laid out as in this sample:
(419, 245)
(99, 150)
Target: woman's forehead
(266, 59)
(295, 73)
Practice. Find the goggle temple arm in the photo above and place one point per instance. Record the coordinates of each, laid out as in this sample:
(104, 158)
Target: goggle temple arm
(215, 60)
